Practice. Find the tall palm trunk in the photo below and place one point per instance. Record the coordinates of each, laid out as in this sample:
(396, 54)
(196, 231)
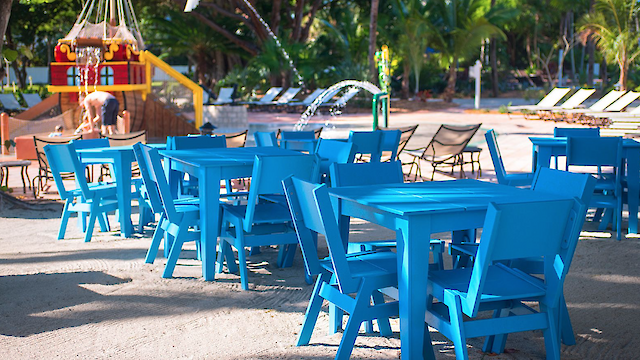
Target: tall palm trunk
(373, 33)
(450, 90)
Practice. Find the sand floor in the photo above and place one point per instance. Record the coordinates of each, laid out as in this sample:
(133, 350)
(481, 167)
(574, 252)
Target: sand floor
(64, 299)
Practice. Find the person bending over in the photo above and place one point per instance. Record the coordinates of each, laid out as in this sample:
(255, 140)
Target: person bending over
(102, 106)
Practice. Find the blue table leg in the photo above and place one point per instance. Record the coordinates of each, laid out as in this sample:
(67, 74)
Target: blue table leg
(633, 181)
(122, 169)
(413, 270)
(209, 215)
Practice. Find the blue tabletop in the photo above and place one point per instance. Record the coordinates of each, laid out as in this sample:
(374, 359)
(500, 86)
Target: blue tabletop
(225, 156)
(116, 148)
(563, 141)
(436, 196)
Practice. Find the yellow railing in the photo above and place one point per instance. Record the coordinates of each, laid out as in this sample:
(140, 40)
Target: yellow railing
(150, 59)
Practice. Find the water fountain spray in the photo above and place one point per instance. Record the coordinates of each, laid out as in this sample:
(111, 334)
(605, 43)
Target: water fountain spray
(278, 44)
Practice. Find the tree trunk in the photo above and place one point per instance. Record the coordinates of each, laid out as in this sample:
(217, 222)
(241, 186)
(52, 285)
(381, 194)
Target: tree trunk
(604, 74)
(5, 13)
(405, 79)
(624, 74)
(297, 25)
(591, 51)
(373, 33)
(275, 16)
(493, 54)
(450, 90)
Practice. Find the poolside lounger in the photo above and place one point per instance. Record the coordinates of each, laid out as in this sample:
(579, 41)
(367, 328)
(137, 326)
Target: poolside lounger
(573, 102)
(268, 97)
(224, 96)
(552, 98)
(31, 99)
(286, 97)
(295, 104)
(10, 103)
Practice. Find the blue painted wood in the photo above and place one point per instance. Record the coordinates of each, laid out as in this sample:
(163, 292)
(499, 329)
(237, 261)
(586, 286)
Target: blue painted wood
(418, 210)
(367, 143)
(389, 143)
(264, 223)
(95, 199)
(349, 281)
(524, 179)
(263, 138)
(601, 152)
(329, 152)
(211, 166)
(546, 147)
(509, 233)
(583, 132)
(178, 221)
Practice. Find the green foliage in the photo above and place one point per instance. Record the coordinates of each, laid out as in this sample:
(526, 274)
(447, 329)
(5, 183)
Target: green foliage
(504, 109)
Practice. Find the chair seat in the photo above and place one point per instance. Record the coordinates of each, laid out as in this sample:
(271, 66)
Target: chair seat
(520, 284)
(102, 188)
(265, 212)
(524, 178)
(367, 264)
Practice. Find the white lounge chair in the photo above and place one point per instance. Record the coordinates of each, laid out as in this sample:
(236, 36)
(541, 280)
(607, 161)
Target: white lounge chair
(224, 96)
(551, 99)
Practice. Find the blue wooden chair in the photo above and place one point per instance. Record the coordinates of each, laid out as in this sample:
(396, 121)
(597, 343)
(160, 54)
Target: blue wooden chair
(350, 281)
(567, 132)
(88, 144)
(557, 182)
(307, 140)
(260, 223)
(333, 151)
(361, 174)
(511, 231)
(389, 143)
(523, 179)
(180, 220)
(367, 143)
(264, 138)
(96, 199)
(603, 152)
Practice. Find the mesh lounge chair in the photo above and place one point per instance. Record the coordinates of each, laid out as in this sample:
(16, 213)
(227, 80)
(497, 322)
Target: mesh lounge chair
(31, 99)
(224, 96)
(444, 149)
(601, 117)
(44, 171)
(10, 103)
(552, 98)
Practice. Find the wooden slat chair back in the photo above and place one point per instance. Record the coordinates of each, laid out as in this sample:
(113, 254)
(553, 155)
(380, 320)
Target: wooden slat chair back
(95, 199)
(236, 140)
(127, 139)
(44, 172)
(330, 152)
(341, 274)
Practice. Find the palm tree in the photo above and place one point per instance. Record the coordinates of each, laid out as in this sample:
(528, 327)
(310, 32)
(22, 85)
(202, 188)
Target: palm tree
(457, 30)
(413, 26)
(612, 24)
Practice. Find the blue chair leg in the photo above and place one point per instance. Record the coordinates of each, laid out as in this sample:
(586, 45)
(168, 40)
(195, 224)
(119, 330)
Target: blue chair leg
(174, 254)
(566, 329)
(155, 243)
(313, 310)
(383, 323)
(457, 328)
(551, 334)
(90, 224)
(64, 220)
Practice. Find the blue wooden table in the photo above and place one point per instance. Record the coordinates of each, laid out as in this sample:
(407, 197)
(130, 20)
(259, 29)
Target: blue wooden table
(415, 211)
(120, 158)
(211, 166)
(546, 147)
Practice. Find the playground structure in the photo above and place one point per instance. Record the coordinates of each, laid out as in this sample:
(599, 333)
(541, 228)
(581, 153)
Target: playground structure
(105, 52)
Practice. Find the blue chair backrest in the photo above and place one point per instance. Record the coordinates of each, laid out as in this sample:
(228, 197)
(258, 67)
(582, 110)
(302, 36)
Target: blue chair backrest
(90, 143)
(496, 158)
(64, 159)
(268, 173)
(591, 151)
(564, 183)
(390, 142)
(366, 174)
(333, 151)
(157, 176)
(311, 210)
(196, 142)
(367, 142)
(264, 138)
(152, 189)
(297, 135)
(515, 231)
(584, 132)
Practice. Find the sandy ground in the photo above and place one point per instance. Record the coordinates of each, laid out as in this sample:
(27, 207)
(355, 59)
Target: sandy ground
(64, 299)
